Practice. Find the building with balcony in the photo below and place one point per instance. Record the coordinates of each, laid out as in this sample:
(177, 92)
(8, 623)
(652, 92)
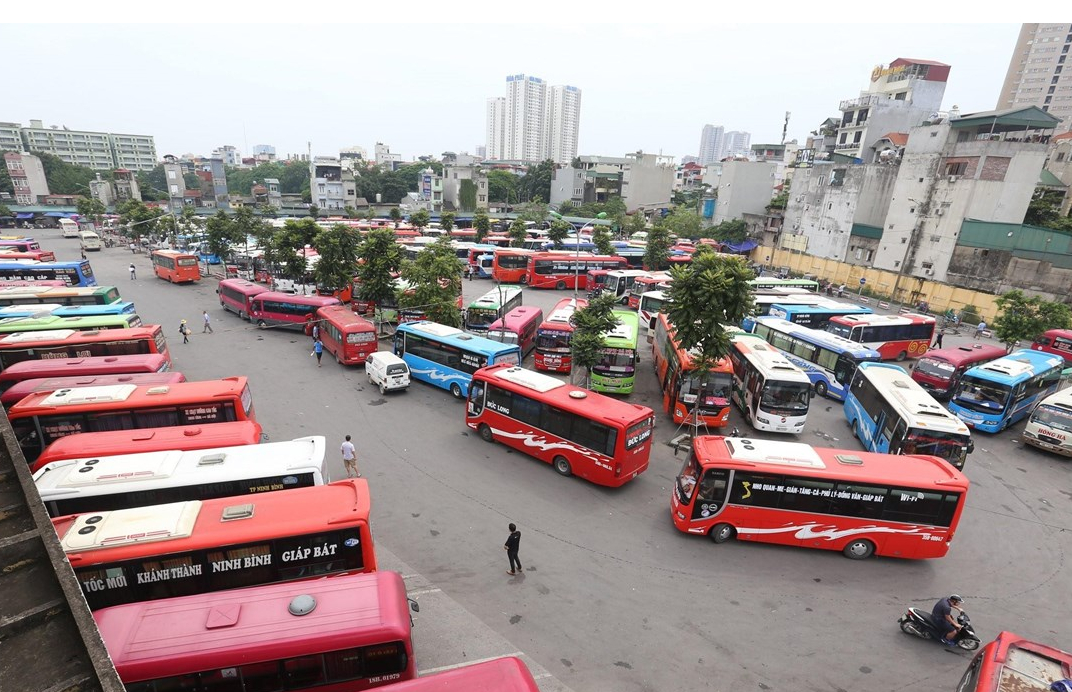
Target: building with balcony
(228, 154)
(126, 185)
(385, 159)
(712, 144)
(452, 181)
(533, 122)
(332, 186)
(27, 177)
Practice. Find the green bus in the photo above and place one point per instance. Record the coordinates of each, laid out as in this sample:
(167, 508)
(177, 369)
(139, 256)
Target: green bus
(86, 323)
(491, 306)
(615, 371)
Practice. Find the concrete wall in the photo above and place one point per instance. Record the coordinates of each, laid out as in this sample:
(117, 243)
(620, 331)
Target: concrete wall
(745, 187)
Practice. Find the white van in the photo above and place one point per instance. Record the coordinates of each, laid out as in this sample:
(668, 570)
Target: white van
(68, 228)
(89, 240)
(387, 371)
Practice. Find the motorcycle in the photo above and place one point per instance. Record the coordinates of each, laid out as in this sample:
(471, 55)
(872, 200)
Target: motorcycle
(919, 623)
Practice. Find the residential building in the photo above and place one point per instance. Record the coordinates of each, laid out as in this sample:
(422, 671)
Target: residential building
(102, 190)
(1036, 75)
(533, 122)
(561, 124)
(273, 193)
(99, 150)
(27, 177)
(263, 153)
(647, 181)
(126, 185)
(712, 144)
(353, 158)
(744, 187)
(10, 137)
(496, 128)
(1059, 163)
(176, 184)
(523, 138)
(688, 176)
(228, 154)
(384, 157)
(690, 159)
(331, 186)
(481, 152)
(736, 144)
(452, 181)
(218, 184)
(597, 179)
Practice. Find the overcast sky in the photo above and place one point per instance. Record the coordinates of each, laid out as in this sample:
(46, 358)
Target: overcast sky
(422, 89)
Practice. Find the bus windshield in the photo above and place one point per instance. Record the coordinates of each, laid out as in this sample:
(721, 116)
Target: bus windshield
(711, 389)
(1057, 417)
(982, 395)
(785, 396)
(548, 339)
(616, 360)
(686, 481)
(503, 337)
(936, 368)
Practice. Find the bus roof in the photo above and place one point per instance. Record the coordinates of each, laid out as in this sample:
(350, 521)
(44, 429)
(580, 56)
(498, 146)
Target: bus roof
(624, 334)
(496, 298)
(768, 360)
(1062, 399)
(818, 337)
(777, 456)
(1017, 366)
(517, 317)
(1023, 665)
(963, 355)
(127, 396)
(822, 307)
(56, 322)
(96, 365)
(508, 674)
(297, 298)
(245, 287)
(457, 337)
(345, 316)
(24, 388)
(61, 335)
(871, 319)
(222, 629)
(563, 311)
(173, 253)
(918, 408)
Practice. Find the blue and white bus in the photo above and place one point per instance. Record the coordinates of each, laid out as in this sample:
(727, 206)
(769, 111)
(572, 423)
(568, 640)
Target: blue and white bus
(815, 316)
(829, 361)
(763, 301)
(890, 413)
(25, 311)
(994, 395)
(448, 357)
(77, 273)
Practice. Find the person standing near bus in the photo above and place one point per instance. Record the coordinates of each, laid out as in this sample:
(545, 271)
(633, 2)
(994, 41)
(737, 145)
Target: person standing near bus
(938, 338)
(318, 350)
(980, 328)
(512, 546)
(133, 271)
(349, 458)
(208, 322)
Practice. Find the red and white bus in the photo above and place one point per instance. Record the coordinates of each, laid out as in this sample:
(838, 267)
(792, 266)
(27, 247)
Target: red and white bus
(553, 352)
(7, 253)
(1012, 663)
(688, 394)
(517, 327)
(582, 433)
(895, 337)
(595, 280)
(657, 281)
(511, 265)
(620, 281)
(183, 548)
(567, 269)
(46, 283)
(651, 304)
(190, 437)
(939, 371)
(23, 245)
(41, 419)
(70, 343)
(20, 390)
(287, 310)
(346, 335)
(236, 295)
(176, 267)
(82, 367)
(344, 634)
(1055, 341)
(860, 503)
(508, 674)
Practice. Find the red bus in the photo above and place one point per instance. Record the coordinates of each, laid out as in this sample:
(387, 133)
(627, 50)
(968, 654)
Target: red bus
(643, 284)
(506, 674)
(236, 295)
(1011, 663)
(184, 438)
(69, 343)
(346, 335)
(23, 245)
(344, 634)
(567, 270)
(939, 371)
(690, 396)
(176, 267)
(582, 433)
(860, 503)
(511, 265)
(553, 337)
(20, 390)
(595, 280)
(38, 255)
(895, 337)
(200, 546)
(80, 367)
(1055, 341)
(46, 283)
(42, 418)
(517, 327)
(287, 310)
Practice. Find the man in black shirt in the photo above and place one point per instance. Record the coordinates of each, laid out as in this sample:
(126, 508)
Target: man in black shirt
(942, 614)
(513, 543)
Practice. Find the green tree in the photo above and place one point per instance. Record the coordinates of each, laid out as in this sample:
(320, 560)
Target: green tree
(294, 179)
(268, 211)
(314, 211)
(482, 224)
(220, 234)
(396, 215)
(502, 186)
(191, 181)
(590, 323)
(536, 183)
(467, 195)
(349, 212)
(636, 224)
(136, 219)
(5, 178)
(683, 223)
(446, 221)
(518, 233)
(379, 260)
(1044, 208)
(730, 231)
(1022, 317)
(435, 284)
(558, 232)
(65, 178)
(535, 211)
(602, 240)
(657, 253)
(338, 248)
(91, 208)
(289, 247)
(247, 225)
(420, 218)
(5, 210)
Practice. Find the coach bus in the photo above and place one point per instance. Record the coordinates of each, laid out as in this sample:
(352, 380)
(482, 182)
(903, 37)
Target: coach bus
(104, 483)
(567, 270)
(657, 281)
(236, 295)
(553, 336)
(507, 674)
(116, 442)
(10, 253)
(287, 310)
(346, 335)
(598, 438)
(1056, 341)
(789, 493)
(81, 367)
(20, 390)
(43, 418)
(63, 295)
(447, 357)
(68, 343)
(939, 371)
(57, 310)
(771, 392)
(891, 414)
(815, 316)
(183, 548)
(1049, 426)
(351, 632)
(648, 309)
(893, 336)
(994, 395)
(77, 273)
(615, 369)
(829, 361)
(86, 323)
(1012, 663)
(517, 327)
(774, 282)
(619, 282)
(491, 306)
(21, 244)
(511, 265)
(690, 396)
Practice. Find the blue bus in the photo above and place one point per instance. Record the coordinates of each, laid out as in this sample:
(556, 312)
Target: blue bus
(814, 316)
(448, 357)
(994, 395)
(77, 273)
(829, 361)
(24, 311)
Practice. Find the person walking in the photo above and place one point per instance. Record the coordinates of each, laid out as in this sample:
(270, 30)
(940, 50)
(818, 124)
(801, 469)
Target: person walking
(208, 322)
(185, 331)
(512, 545)
(315, 331)
(133, 271)
(133, 249)
(980, 328)
(938, 339)
(349, 458)
(318, 350)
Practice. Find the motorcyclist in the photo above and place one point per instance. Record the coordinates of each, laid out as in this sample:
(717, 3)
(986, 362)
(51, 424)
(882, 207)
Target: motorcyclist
(942, 614)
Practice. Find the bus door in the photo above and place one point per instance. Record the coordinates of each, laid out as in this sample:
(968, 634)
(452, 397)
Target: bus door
(900, 431)
(476, 398)
(753, 391)
(711, 495)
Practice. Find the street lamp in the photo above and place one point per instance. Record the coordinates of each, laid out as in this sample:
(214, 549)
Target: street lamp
(577, 247)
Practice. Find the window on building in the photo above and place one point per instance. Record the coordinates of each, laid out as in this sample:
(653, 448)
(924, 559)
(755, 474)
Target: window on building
(856, 137)
(844, 136)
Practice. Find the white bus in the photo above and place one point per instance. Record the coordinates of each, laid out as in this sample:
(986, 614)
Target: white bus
(772, 393)
(619, 281)
(74, 486)
(1050, 425)
(68, 228)
(651, 304)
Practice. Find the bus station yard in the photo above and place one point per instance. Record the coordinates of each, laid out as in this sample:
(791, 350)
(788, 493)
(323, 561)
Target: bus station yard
(612, 596)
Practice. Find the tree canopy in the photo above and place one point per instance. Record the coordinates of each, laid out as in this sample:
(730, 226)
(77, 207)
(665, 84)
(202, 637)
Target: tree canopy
(590, 323)
(482, 225)
(657, 252)
(338, 247)
(536, 183)
(518, 233)
(435, 283)
(502, 187)
(380, 259)
(1022, 317)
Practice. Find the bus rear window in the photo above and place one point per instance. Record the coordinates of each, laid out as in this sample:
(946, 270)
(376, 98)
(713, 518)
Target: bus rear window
(514, 358)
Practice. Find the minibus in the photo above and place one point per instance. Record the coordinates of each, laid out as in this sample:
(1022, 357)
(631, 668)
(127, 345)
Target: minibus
(287, 310)
(939, 371)
(89, 240)
(236, 295)
(517, 327)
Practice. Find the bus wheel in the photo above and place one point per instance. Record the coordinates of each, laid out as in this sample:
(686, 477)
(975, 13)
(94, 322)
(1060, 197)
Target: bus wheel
(901, 356)
(485, 433)
(859, 549)
(562, 465)
(383, 389)
(720, 533)
(523, 280)
(456, 391)
(262, 324)
(560, 285)
(820, 388)
(242, 315)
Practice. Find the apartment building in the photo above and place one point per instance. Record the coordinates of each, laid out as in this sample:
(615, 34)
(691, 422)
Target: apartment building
(98, 150)
(533, 122)
(1036, 75)
(27, 177)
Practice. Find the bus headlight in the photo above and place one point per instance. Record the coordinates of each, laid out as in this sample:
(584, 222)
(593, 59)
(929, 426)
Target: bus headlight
(681, 516)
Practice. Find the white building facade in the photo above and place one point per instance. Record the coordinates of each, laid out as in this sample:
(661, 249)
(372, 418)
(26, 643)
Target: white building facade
(712, 144)
(533, 122)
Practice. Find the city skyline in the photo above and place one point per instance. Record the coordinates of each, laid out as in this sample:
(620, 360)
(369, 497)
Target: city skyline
(420, 107)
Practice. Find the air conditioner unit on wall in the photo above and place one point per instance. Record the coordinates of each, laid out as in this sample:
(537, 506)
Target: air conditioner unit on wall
(939, 211)
(928, 272)
(953, 178)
